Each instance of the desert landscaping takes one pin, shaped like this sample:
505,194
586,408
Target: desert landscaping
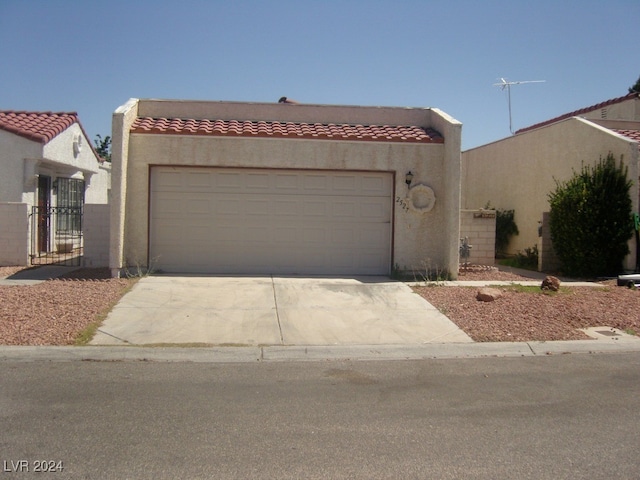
57,311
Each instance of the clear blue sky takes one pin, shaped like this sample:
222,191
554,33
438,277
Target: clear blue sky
92,56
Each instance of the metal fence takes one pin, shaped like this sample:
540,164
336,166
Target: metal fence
56,236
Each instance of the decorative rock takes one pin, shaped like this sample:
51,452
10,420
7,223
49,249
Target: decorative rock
550,283
488,294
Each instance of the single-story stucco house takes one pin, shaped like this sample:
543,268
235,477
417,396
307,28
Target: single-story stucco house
283,188
518,173
49,175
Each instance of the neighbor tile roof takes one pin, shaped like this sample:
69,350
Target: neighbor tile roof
271,129
576,113
38,126
631,134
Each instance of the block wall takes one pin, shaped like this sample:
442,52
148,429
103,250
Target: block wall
480,227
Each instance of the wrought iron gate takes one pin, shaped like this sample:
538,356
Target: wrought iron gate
56,236
56,232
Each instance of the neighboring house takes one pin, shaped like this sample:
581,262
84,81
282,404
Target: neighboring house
283,188
48,172
520,171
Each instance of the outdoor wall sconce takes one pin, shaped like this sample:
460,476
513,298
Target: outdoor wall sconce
77,145
408,178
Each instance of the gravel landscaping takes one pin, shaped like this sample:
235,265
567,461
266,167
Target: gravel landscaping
529,314
55,312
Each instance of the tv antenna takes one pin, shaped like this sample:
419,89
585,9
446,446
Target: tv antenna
506,85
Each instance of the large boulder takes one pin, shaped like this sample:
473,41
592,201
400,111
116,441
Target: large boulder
550,283
488,294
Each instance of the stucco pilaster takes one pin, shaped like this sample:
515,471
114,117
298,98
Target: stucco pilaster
121,123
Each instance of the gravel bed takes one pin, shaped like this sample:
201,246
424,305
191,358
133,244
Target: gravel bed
56,311
521,315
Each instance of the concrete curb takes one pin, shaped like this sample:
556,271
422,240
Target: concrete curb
252,354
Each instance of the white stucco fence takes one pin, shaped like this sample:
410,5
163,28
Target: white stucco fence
14,234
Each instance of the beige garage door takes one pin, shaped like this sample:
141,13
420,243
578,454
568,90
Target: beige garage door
215,220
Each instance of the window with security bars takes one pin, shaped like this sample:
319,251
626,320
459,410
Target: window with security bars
70,200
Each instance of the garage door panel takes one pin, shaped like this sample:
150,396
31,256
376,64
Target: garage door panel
374,210
169,205
227,181
270,221
258,181
344,184
315,183
315,208
198,181
287,182
313,233
374,185
170,180
199,208
226,205
343,236
257,207
343,209
286,207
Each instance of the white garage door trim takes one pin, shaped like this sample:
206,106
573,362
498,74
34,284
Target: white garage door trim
270,221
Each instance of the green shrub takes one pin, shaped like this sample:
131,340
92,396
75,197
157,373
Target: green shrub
590,219
505,228
527,259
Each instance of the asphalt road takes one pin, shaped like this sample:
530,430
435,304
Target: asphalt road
570,416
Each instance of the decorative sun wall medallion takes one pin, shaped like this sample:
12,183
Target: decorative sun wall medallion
421,198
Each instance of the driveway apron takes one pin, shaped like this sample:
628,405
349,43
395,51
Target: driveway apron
238,310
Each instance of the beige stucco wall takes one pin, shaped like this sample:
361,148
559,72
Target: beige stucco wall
624,111
418,237
95,226
519,172
122,120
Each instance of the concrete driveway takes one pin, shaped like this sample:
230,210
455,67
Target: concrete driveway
234,310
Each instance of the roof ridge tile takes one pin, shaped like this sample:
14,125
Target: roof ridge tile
287,129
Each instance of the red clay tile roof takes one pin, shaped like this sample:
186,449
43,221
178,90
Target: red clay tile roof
38,126
631,134
576,113
262,129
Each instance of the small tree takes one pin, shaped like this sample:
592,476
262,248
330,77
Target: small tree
103,146
636,87
590,219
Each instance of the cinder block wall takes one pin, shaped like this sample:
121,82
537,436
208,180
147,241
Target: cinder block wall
96,235
480,227
14,234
